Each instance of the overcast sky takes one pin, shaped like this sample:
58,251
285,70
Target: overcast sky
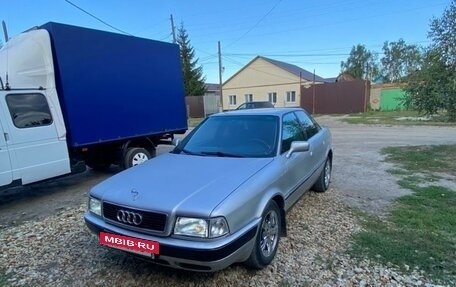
311,34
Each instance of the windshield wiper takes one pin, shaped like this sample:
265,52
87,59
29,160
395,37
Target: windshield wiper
190,152
221,154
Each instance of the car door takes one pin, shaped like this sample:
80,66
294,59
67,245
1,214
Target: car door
6,175
34,145
315,137
298,165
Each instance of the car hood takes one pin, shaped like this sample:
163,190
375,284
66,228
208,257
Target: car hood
178,183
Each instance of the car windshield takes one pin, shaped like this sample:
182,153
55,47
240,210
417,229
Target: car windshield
233,136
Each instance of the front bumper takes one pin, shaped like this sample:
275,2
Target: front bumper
205,256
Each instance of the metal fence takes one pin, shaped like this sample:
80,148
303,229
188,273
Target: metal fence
336,98
202,106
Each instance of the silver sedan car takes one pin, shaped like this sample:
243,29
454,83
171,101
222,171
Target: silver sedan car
220,196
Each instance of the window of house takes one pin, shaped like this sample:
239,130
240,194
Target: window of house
248,98
232,99
309,125
291,131
291,96
272,97
29,110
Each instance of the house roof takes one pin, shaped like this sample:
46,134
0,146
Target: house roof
295,70
212,87
331,80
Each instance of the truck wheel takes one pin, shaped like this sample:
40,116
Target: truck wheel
267,239
135,156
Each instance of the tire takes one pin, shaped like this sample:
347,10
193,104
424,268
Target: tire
135,156
267,238
324,179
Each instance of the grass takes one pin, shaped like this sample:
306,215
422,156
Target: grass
421,229
428,159
394,118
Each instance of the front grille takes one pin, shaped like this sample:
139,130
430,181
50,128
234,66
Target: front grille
152,221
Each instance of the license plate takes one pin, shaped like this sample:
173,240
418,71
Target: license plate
130,244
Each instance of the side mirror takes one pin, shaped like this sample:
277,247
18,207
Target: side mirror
176,142
298,146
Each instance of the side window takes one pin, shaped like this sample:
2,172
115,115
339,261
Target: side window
29,110
310,127
291,131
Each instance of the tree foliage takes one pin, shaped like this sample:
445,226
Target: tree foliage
399,60
361,63
192,72
433,87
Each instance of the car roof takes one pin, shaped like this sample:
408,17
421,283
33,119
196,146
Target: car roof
264,111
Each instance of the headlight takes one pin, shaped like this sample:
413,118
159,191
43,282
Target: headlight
191,227
219,227
198,227
95,205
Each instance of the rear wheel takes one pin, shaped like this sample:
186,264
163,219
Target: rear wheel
323,181
267,239
135,156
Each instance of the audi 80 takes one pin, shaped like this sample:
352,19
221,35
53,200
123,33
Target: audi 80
220,196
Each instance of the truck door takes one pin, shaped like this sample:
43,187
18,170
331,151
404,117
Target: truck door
35,148
6,176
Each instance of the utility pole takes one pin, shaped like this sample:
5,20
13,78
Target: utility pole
366,87
220,76
173,29
313,93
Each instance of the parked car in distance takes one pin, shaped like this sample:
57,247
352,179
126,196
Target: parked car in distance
255,105
220,196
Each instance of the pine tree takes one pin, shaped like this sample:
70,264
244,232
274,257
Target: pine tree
192,72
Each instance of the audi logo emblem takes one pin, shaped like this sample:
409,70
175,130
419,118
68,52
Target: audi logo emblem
129,217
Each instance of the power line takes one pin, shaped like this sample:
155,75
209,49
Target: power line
95,17
256,24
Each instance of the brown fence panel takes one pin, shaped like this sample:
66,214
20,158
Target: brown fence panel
336,98
195,106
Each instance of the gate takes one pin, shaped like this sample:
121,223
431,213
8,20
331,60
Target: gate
336,98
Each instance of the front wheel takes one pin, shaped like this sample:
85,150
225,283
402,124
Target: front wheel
135,156
267,239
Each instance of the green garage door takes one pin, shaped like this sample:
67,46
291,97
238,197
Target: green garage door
390,99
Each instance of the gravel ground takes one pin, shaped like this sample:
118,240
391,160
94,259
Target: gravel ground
60,251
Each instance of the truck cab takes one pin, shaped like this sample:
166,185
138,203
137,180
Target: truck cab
32,134
30,148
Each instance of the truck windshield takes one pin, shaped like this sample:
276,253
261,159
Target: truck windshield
233,136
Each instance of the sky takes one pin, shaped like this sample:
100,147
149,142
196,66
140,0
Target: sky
314,35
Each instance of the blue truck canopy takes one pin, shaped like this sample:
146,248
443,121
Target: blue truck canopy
114,87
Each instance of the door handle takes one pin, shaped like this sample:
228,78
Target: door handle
6,136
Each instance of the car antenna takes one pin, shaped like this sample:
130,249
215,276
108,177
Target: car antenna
5,34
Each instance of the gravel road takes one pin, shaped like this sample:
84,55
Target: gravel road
44,242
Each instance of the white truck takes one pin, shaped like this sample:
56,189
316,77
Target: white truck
71,96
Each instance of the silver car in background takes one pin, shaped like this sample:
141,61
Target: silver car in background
220,196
